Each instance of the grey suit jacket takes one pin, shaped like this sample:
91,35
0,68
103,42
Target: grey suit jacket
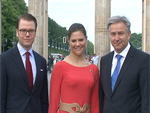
130,94
16,96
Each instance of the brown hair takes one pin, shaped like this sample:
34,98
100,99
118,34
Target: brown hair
27,17
76,27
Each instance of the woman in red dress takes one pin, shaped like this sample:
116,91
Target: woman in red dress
75,81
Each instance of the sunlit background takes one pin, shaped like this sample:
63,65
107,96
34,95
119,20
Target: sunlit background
66,12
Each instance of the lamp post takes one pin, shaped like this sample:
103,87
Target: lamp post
58,43
14,42
53,42
4,44
48,39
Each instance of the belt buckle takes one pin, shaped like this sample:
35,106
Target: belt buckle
80,110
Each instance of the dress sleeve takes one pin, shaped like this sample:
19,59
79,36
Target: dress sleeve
55,88
95,93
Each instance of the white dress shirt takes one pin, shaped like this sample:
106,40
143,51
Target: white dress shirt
123,54
22,52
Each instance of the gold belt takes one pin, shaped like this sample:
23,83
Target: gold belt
68,108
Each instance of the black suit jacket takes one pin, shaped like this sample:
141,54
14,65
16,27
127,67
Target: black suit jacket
130,94
16,96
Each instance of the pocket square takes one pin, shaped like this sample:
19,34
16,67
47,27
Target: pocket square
41,69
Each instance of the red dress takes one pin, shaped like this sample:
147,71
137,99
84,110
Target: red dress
71,84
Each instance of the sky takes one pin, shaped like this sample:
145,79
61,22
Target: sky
67,12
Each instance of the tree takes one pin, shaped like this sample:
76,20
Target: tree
90,48
55,35
56,32
11,10
136,40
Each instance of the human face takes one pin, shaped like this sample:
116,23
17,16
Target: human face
26,40
119,36
77,43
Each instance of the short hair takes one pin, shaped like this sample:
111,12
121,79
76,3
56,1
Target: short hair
76,27
28,17
117,19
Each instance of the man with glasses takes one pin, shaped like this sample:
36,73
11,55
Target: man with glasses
24,86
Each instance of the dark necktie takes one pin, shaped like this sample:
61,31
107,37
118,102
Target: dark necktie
116,72
29,70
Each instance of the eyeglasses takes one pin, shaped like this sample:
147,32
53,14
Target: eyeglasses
24,31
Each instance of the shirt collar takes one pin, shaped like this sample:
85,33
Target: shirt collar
22,50
124,52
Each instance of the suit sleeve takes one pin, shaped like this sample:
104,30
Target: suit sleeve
3,82
55,88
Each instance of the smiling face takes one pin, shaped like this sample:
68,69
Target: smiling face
119,36
26,40
77,43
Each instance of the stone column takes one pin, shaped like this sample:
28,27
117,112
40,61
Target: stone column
0,26
146,26
39,9
143,24
102,14
45,29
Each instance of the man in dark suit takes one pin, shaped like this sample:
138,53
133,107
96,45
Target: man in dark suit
124,89
17,94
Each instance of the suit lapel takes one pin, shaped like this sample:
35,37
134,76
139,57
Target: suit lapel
125,66
109,72
38,65
18,61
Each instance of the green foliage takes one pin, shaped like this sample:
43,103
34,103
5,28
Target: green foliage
90,48
56,34
136,40
55,38
11,10
56,30
60,51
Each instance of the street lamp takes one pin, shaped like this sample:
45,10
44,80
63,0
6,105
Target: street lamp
4,44
59,43
53,44
14,42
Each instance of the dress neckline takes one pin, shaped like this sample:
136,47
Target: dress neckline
77,66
